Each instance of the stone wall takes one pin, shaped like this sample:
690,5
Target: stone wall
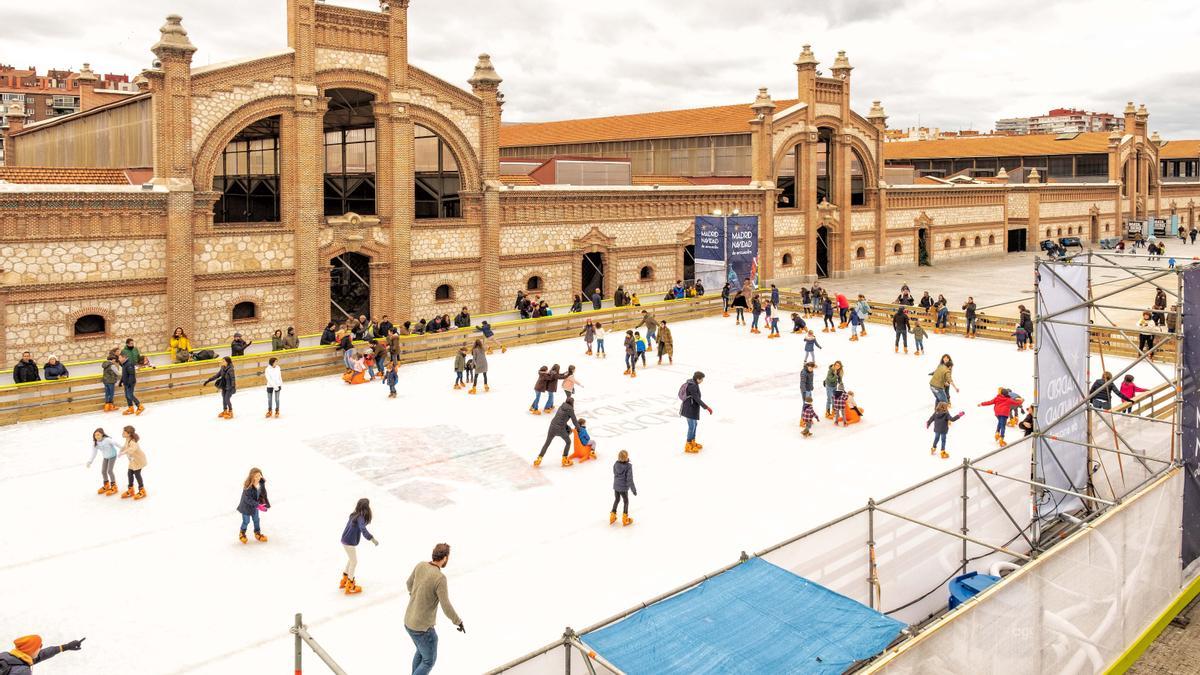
46,328
966,243
558,282
339,59
867,260
209,111
214,314
628,267
48,262
244,253
789,224
983,213
464,287
445,243
526,239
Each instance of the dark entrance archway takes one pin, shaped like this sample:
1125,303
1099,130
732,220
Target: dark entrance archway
923,247
689,262
349,286
822,252
592,273
1016,240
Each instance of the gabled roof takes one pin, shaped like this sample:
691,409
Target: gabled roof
1189,149
51,175
714,121
998,146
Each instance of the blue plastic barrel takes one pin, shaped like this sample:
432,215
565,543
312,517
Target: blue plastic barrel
967,586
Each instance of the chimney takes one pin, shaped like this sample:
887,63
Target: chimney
87,86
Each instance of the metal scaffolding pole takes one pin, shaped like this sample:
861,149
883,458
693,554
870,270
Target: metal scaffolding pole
301,633
1049,487
973,540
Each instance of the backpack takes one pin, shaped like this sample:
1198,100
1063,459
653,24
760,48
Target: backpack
683,390
201,355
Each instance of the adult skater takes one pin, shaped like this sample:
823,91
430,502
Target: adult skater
833,382
107,448
128,383
941,306
755,312
427,588
553,378
689,409
666,346
739,305
137,462
1103,389
863,309
560,427
630,355
969,311
600,333
622,486
941,420
254,499
1026,322
28,650
900,325
651,325
274,375
225,380
479,356
589,336
489,338
356,528
941,379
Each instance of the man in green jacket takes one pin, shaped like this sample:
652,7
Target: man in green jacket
427,589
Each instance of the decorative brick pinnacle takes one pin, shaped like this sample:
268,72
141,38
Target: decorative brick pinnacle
174,38
485,75
763,103
86,74
807,58
841,63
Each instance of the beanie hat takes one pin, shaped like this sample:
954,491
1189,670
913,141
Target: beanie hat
27,648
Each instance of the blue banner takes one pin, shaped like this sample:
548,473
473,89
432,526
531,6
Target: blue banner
1189,323
710,238
741,242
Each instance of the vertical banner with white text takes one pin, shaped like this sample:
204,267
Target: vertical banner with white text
1189,420
710,251
741,238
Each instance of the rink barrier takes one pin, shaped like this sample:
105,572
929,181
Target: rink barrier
84,393
303,638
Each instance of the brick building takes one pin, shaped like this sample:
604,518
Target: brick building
334,177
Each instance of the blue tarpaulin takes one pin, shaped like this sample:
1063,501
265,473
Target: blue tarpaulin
755,618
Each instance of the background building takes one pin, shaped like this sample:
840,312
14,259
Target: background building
1061,121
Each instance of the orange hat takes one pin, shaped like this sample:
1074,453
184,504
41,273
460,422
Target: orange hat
27,648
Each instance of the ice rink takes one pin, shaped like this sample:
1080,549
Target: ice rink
163,585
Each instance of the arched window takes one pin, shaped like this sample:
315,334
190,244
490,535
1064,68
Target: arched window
858,193
1106,226
786,261
646,273
247,175
826,165
962,242
90,325
860,253
443,292
1047,233
946,244
978,241
349,127
1059,232
245,311
897,249
534,283
991,239
436,175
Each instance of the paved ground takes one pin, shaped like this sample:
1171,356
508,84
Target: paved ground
1175,652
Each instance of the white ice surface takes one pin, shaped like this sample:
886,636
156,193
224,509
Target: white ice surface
162,585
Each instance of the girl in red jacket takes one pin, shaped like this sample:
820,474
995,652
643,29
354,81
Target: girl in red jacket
1002,406
1128,388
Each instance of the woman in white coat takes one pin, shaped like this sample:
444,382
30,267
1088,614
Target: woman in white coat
274,375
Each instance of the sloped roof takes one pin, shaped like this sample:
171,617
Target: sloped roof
713,121
518,179
660,180
1189,149
998,146
51,175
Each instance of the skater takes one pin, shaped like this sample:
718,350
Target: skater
839,405
772,322
689,394
137,462
941,379
630,355
28,650
479,356
919,335
237,347
833,382
640,346
428,588
854,413
1103,390
1021,337
1002,406
600,333
570,382
843,305
739,308
863,309
798,324
368,362
181,346
1026,321
460,364
808,376
969,310
587,444
552,380
941,419
391,377
107,448
1026,424
1146,337
1129,389
225,380
725,299
622,486
560,427
900,325
128,382
539,388
356,528
755,312
254,499
589,336
810,345
651,325
274,375
489,338
357,370
110,374
943,314
827,305
808,416
666,346
774,295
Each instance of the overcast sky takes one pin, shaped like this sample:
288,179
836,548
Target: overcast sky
944,64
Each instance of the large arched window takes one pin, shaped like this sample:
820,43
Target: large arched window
443,293
245,311
858,192
349,153
826,167
787,180
90,325
436,175
247,175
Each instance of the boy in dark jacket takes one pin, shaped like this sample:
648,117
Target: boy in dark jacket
798,324
622,486
808,379
238,346
539,388
690,410
941,419
28,650
128,382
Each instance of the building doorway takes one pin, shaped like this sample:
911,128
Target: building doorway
1016,240
822,252
592,272
923,247
349,286
689,262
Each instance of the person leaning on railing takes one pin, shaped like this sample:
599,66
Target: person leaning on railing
181,346
55,369
26,370
290,339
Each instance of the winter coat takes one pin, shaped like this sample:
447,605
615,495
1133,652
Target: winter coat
463,320
570,382
739,300
110,373
808,414
26,371
623,477
274,377
543,381
919,333
756,306
391,377
940,377
133,354
807,379
862,309
1101,396
180,344
137,458
665,344
552,380
842,302
356,528
900,321
106,448
479,354
584,437
486,329
941,421
629,344
238,347
811,344
460,362
1027,322
833,378
1026,424
55,371
1002,405
128,374
588,333
252,497
276,343
1129,389
328,337
926,302
291,341
225,378
648,321
692,403
564,414
18,667
969,309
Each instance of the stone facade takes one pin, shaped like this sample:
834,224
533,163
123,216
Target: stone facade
89,260
244,253
46,327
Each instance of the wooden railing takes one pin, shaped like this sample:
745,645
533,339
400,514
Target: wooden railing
46,399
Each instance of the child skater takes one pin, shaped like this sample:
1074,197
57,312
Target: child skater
107,449
773,322
941,419
570,382
589,334
829,325
640,343
808,379
810,345
798,324
460,364
622,486
630,354
392,376
137,462
808,415
600,333
1021,336
356,528
840,398
469,373
254,499
585,439
1002,405
919,335
855,323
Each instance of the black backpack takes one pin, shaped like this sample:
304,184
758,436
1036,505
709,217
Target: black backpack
199,355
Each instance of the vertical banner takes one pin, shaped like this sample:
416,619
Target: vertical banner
1062,359
742,247
710,252
1190,415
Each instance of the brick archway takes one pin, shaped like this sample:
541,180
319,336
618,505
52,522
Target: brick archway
223,133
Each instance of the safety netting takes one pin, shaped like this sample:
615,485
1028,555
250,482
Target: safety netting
753,618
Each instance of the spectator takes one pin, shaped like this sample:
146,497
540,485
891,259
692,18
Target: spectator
463,320
277,340
181,346
238,346
26,370
132,353
699,288
598,299
329,335
291,340
385,327
54,369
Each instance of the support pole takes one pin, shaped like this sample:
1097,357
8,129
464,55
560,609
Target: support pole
872,577
1044,486
965,530
299,648
973,540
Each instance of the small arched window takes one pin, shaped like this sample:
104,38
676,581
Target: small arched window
1059,232
533,284
946,244
787,260
861,253
245,311
90,325
991,239
962,242
646,273
898,249
978,241
1048,233
443,292
1106,226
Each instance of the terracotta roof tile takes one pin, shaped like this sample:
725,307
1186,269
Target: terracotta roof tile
717,120
661,180
518,179
997,146
1180,150
46,175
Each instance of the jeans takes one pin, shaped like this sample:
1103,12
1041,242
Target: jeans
939,437
426,643
902,336
247,518
724,303
942,317
740,314
939,394
549,400
226,399
853,328
458,377
130,399
830,391
1020,343
970,325
754,319
810,355
631,362
691,432
842,314
537,400
920,344
273,394
106,469
371,372
110,391
774,326
600,346
829,321
1001,423
651,336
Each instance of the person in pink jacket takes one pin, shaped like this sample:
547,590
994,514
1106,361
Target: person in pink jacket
1128,388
